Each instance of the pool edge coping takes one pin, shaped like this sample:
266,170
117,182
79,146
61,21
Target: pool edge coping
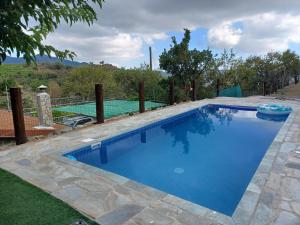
253,190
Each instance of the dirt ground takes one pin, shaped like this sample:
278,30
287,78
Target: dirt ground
290,91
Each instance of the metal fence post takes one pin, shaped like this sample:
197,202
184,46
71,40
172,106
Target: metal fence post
193,90
18,115
171,91
141,97
99,103
218,87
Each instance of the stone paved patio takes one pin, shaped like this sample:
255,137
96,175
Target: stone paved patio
272,197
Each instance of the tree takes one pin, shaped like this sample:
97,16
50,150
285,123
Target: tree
225,68
266,69
291,65
184,64
81,82
54,89
18,34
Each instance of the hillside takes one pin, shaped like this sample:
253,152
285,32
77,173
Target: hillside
65,81
292,90
31,76
44,59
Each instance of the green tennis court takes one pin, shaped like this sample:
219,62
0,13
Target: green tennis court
111,108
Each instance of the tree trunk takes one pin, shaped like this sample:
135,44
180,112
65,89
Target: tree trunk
296,79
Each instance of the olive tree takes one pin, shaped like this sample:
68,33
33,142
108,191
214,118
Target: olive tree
185,64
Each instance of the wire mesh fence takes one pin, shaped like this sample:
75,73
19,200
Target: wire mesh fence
112,107
72,112
63,109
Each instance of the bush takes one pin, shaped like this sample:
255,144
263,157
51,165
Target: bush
118,83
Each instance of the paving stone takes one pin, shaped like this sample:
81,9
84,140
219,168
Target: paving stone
259,181
166,209
117,178
267,197
24,162
44,181
68,181
71,193
296,207
245,209
293,165
292,172
92,186
148,191
187,218
262,215
130,223
274,180
119,215
290,188
285,205
99,203
288,147
9,166
135,197
149,216
186,205
286,218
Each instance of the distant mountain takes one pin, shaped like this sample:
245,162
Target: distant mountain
44,59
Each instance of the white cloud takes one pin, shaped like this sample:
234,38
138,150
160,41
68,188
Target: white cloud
123,29
112,48
150,38
260,33
270,31
224,36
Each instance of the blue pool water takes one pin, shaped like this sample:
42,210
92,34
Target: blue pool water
207,156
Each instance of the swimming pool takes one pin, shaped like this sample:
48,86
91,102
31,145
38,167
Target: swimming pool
207,155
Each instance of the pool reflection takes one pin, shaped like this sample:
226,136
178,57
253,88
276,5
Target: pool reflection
203,125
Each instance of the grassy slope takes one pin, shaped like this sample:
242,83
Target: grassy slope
25,74
24,204
15,69
291,91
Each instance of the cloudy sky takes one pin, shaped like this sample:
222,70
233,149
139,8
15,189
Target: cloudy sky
125,29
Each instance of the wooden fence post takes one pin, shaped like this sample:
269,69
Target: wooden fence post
296,79
171,92
99,103
193,90
264,88
141,97
18,115
218,87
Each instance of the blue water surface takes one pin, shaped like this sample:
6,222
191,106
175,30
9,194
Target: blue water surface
207,156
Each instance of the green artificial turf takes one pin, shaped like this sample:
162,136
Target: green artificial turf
111,108
24,204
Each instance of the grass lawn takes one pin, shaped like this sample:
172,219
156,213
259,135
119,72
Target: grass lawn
23,204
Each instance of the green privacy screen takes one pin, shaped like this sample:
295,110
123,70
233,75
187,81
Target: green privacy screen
231,92
111,107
